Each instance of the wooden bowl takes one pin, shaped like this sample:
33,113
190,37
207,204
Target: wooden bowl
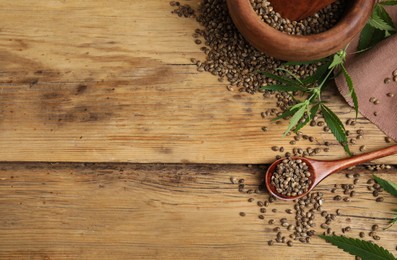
296,47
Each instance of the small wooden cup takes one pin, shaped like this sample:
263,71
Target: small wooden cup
294,47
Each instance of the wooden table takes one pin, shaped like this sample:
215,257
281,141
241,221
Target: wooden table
92,89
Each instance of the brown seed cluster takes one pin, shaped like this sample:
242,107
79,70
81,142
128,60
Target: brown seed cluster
392,78
376,190
307,215
378,167
182,10
291,178
317,23
230,57
301,151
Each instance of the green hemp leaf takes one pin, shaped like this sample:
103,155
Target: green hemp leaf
391,188
364,249
379,27
311,87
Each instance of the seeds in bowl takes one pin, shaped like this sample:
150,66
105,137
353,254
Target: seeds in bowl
291,177
232,59
321,21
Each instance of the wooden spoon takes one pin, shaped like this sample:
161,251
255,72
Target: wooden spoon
298,9
322,169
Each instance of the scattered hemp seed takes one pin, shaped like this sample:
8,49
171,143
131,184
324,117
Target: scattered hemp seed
275,148
348,229
337,198
375,227
242,214
182,10
387,80
362,148
388,139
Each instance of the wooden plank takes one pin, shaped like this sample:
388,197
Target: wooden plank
99,81
121,211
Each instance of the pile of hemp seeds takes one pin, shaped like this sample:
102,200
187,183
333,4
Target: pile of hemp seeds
309,215
291,177
230,58
320,22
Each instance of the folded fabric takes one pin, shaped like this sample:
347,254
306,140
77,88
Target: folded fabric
369,71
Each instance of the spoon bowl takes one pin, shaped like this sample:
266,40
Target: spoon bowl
322,169
272,168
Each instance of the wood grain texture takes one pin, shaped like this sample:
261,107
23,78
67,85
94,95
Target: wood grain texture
104,81
121,211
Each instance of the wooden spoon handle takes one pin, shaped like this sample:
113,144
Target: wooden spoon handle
334,166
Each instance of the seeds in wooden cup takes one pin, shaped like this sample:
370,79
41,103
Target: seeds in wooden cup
317,23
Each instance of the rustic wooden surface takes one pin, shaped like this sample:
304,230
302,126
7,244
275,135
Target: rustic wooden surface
121,211
112,82
101,81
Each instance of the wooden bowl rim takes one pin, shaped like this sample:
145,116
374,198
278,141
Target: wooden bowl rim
253,28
